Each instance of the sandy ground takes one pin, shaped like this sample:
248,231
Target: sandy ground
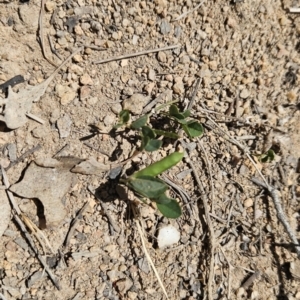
245,56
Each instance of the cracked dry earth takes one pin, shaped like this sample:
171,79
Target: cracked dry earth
245,55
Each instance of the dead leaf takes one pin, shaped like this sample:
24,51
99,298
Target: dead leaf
17,105
90,167
49,185
62,162
5,212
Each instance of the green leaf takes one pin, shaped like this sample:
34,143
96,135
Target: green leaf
145,141
153,145
163,199
267,156
148,186
140,122
170,210
173,110
147,131
169,134
180,121
186,113
193,129
124,116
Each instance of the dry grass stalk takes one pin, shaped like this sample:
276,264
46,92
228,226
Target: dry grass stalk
280,213
210,229
139,227
188,12
136,54
41,33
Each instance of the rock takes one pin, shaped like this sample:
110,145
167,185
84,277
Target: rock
84,92
231,22
167,236
162,57
4,212
64,126
116,108
245,93
67,98
65,93
165,27
248,203
135,103
109,120
12,151
178,88
149,87
114,275
151,74
49,185
41,131
124,285
28,14
85,79
77,58
50,6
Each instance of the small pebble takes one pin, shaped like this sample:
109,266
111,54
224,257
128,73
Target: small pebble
161,56
64,126
135,103
245,93
165,27
77,58
84,92
85,79
50,6
151,74
248,203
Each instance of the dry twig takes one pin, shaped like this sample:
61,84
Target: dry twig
280,213
74,223
210,229
136,54
188,12
23,156
41,33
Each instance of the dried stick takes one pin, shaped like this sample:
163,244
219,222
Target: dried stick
17,215
53,50
35,118
23,156
210,175
74,223
280,213
41,33
210,229
136,54
191,103
250,280
188,12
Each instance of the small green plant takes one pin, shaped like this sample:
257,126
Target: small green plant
144,182
266,157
